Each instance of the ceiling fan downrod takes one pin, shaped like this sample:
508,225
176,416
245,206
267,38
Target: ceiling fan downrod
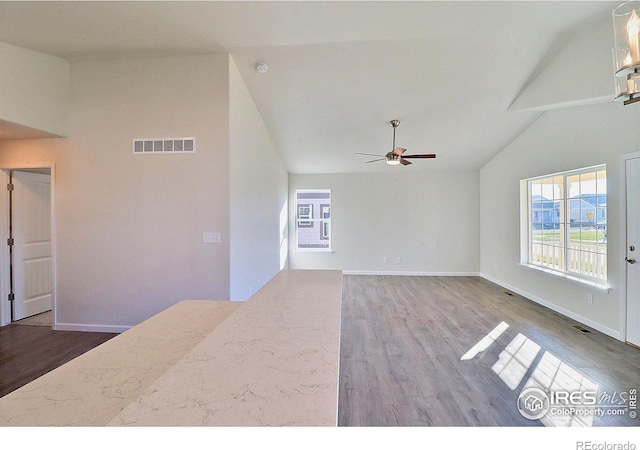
394,123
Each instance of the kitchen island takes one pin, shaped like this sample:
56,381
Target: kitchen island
270,361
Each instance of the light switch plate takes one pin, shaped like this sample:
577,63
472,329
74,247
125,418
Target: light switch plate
211,238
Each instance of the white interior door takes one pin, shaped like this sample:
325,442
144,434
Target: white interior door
632,256
32,249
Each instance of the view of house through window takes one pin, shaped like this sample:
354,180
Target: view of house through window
567,225
313,219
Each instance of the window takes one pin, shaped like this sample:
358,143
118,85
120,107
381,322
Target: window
313,220
325,211
305,214
566,225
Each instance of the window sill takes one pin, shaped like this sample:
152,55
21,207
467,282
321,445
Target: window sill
602,286
313,250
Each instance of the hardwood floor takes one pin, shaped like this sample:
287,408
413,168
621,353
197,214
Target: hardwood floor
28,352
409,355
404,338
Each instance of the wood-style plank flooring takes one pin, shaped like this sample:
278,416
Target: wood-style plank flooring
403,339
401,347
28,352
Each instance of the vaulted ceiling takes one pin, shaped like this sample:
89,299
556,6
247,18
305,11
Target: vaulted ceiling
450,71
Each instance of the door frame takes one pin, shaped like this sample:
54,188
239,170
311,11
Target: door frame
623,241
5,275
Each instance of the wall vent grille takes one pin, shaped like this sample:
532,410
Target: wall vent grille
164,146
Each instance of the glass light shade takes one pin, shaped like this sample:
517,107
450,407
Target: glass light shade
626,85
626,52
633,84
393,161
626,32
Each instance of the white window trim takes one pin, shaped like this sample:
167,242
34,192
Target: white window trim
526,240
601,285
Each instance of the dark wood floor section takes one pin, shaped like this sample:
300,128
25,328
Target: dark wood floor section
28,352
403,339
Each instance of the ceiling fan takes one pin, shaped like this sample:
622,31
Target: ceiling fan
396,156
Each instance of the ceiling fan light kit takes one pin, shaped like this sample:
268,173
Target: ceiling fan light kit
396,156
393,160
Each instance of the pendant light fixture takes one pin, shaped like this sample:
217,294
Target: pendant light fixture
626,53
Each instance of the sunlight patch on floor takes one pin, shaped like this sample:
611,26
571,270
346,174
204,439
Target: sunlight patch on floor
515,360
485,342
553,375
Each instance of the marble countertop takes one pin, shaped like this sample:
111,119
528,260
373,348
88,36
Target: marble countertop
93,388
272,360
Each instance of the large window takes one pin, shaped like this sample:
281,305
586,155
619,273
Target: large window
313,219
566,229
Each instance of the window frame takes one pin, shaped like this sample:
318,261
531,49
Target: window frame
563,220
305,220
325,220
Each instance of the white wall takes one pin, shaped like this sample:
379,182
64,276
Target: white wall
559,140
427,219
129,227
258,195
35,89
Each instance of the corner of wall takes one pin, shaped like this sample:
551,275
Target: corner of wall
258,194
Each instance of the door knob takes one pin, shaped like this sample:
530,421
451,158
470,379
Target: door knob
630,260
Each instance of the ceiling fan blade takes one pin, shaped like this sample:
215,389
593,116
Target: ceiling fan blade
398,151
374,160
430,155
404,162
368,154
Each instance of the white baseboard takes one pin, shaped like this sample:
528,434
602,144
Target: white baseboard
565,312
552,306
410,274
90,327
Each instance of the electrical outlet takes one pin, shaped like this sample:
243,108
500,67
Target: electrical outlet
590,299
385,259
398,260
211,238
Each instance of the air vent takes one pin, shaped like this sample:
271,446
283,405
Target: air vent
164,146
581,329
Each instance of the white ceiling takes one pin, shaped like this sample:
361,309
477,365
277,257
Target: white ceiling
339,71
